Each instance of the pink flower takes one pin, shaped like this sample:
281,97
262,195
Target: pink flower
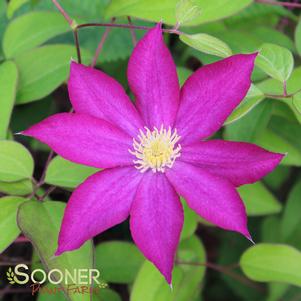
155,150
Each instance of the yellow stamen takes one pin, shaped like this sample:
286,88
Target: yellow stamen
156,149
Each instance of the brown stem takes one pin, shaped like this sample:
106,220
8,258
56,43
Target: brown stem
284,88
101,44
129,26
133,33
42,179
66,16
73,27
41,182
76,40
227,271
285,95
280,3
47,192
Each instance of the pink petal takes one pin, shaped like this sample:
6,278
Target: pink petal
93,92
210,95
153,79
101,202
84,139
156,221
213,198
239,162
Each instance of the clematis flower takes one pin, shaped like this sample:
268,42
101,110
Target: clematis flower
155,150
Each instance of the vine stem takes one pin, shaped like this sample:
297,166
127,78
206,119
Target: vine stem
47,192
285,88
101,43
133,33
76,39
73,26
63,12
225,270
284,95
37,185
280,3
128,26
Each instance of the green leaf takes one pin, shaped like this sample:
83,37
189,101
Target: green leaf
190,221
106,294
183,74
298,37
22,187
252,99
288,131
259,200
151,286
186,11
291,220
13,6
43,234
207,44
296,103
8,224
16,163
44,69
260,14
274,87
275,179
158,10
270,35
228,253
251,125
31,30
272,263
276,291
275,143
118,261
3,23
8,86
276,61
64,173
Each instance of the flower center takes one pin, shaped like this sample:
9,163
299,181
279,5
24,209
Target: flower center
156,149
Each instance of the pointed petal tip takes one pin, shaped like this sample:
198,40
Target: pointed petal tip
171,287
278,157
73,64
19,133
28,132
249,237
251,57
156,31
251,240
58,252
283,155
72,60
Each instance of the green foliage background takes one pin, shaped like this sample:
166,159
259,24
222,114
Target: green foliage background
35,51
